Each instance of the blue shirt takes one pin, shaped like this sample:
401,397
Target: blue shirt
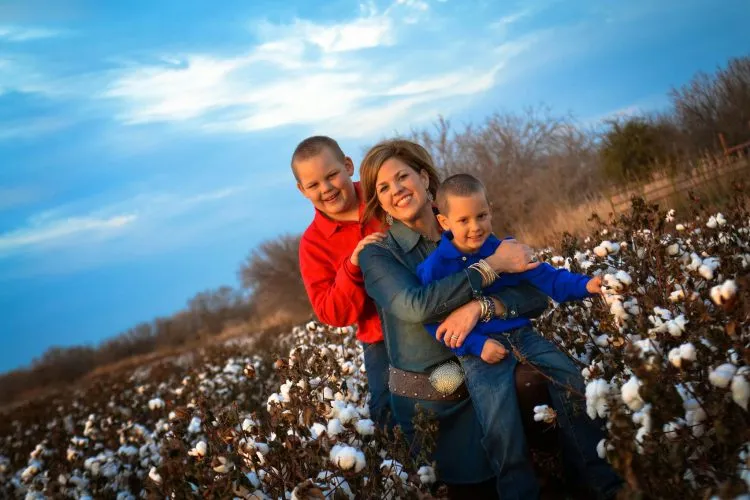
560,284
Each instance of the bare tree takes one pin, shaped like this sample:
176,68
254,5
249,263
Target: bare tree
272,274
712,104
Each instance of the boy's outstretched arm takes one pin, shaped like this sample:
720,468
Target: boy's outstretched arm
560,284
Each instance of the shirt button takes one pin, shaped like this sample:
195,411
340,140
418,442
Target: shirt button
512,313
463,259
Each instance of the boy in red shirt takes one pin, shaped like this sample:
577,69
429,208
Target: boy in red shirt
329,256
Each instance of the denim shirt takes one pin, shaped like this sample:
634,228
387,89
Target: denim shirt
560,284
405,304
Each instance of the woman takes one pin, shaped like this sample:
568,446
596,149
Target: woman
405,305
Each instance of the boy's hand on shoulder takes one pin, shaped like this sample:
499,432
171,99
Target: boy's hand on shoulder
594,285
493,352
370,238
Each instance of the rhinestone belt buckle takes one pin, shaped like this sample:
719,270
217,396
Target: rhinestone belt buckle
447,377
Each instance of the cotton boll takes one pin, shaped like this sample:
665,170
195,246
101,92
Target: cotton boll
348,457
199,450
630,395
694,419
728,289
348,414
687,352
676,326
195,425
680,227
426,474
544,413
155,404
695,262
317,429
720,219
334,427
365,427
671,429
602,340
673,249
623,278
601,448
600,251
597,392
706,272
327,393
722,375
712,222
224,466
247,425
674,357
741,387
153,474
715,294
677,295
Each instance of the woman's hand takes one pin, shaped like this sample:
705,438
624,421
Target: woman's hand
458,324
512,257
371,238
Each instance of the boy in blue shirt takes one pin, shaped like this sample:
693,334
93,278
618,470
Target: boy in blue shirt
466,218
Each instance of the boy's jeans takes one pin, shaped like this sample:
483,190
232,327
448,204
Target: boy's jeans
376,365
493,392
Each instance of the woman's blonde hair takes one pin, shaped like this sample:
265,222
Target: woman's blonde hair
408,152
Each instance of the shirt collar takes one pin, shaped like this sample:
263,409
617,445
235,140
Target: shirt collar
329,226
449,251
406,238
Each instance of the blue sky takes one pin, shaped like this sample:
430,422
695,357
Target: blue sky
144,145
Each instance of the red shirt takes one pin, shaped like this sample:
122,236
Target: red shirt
334,285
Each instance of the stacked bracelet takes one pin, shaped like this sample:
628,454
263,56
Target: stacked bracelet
487,311
485,271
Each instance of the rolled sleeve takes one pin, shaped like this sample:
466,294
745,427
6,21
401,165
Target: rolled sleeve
521,301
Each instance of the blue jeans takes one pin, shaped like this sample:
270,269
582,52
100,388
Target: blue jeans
493,391
376,365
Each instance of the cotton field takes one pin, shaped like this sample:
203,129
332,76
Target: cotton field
664,353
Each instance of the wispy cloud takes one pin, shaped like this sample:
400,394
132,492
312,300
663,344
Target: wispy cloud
349,76
56,230
26,34
512,18
30,128
63,226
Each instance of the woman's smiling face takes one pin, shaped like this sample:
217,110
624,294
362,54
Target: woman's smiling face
401,190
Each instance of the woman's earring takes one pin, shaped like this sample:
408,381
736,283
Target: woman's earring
389,219
429,196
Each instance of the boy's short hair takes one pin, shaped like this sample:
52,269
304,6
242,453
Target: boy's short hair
457,185
312,146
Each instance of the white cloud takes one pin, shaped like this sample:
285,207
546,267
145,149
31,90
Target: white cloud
349,76
511,19
30,128
25,34
362,33
71,227
53,231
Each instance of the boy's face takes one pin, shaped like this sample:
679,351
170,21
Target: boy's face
327,183
469,219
